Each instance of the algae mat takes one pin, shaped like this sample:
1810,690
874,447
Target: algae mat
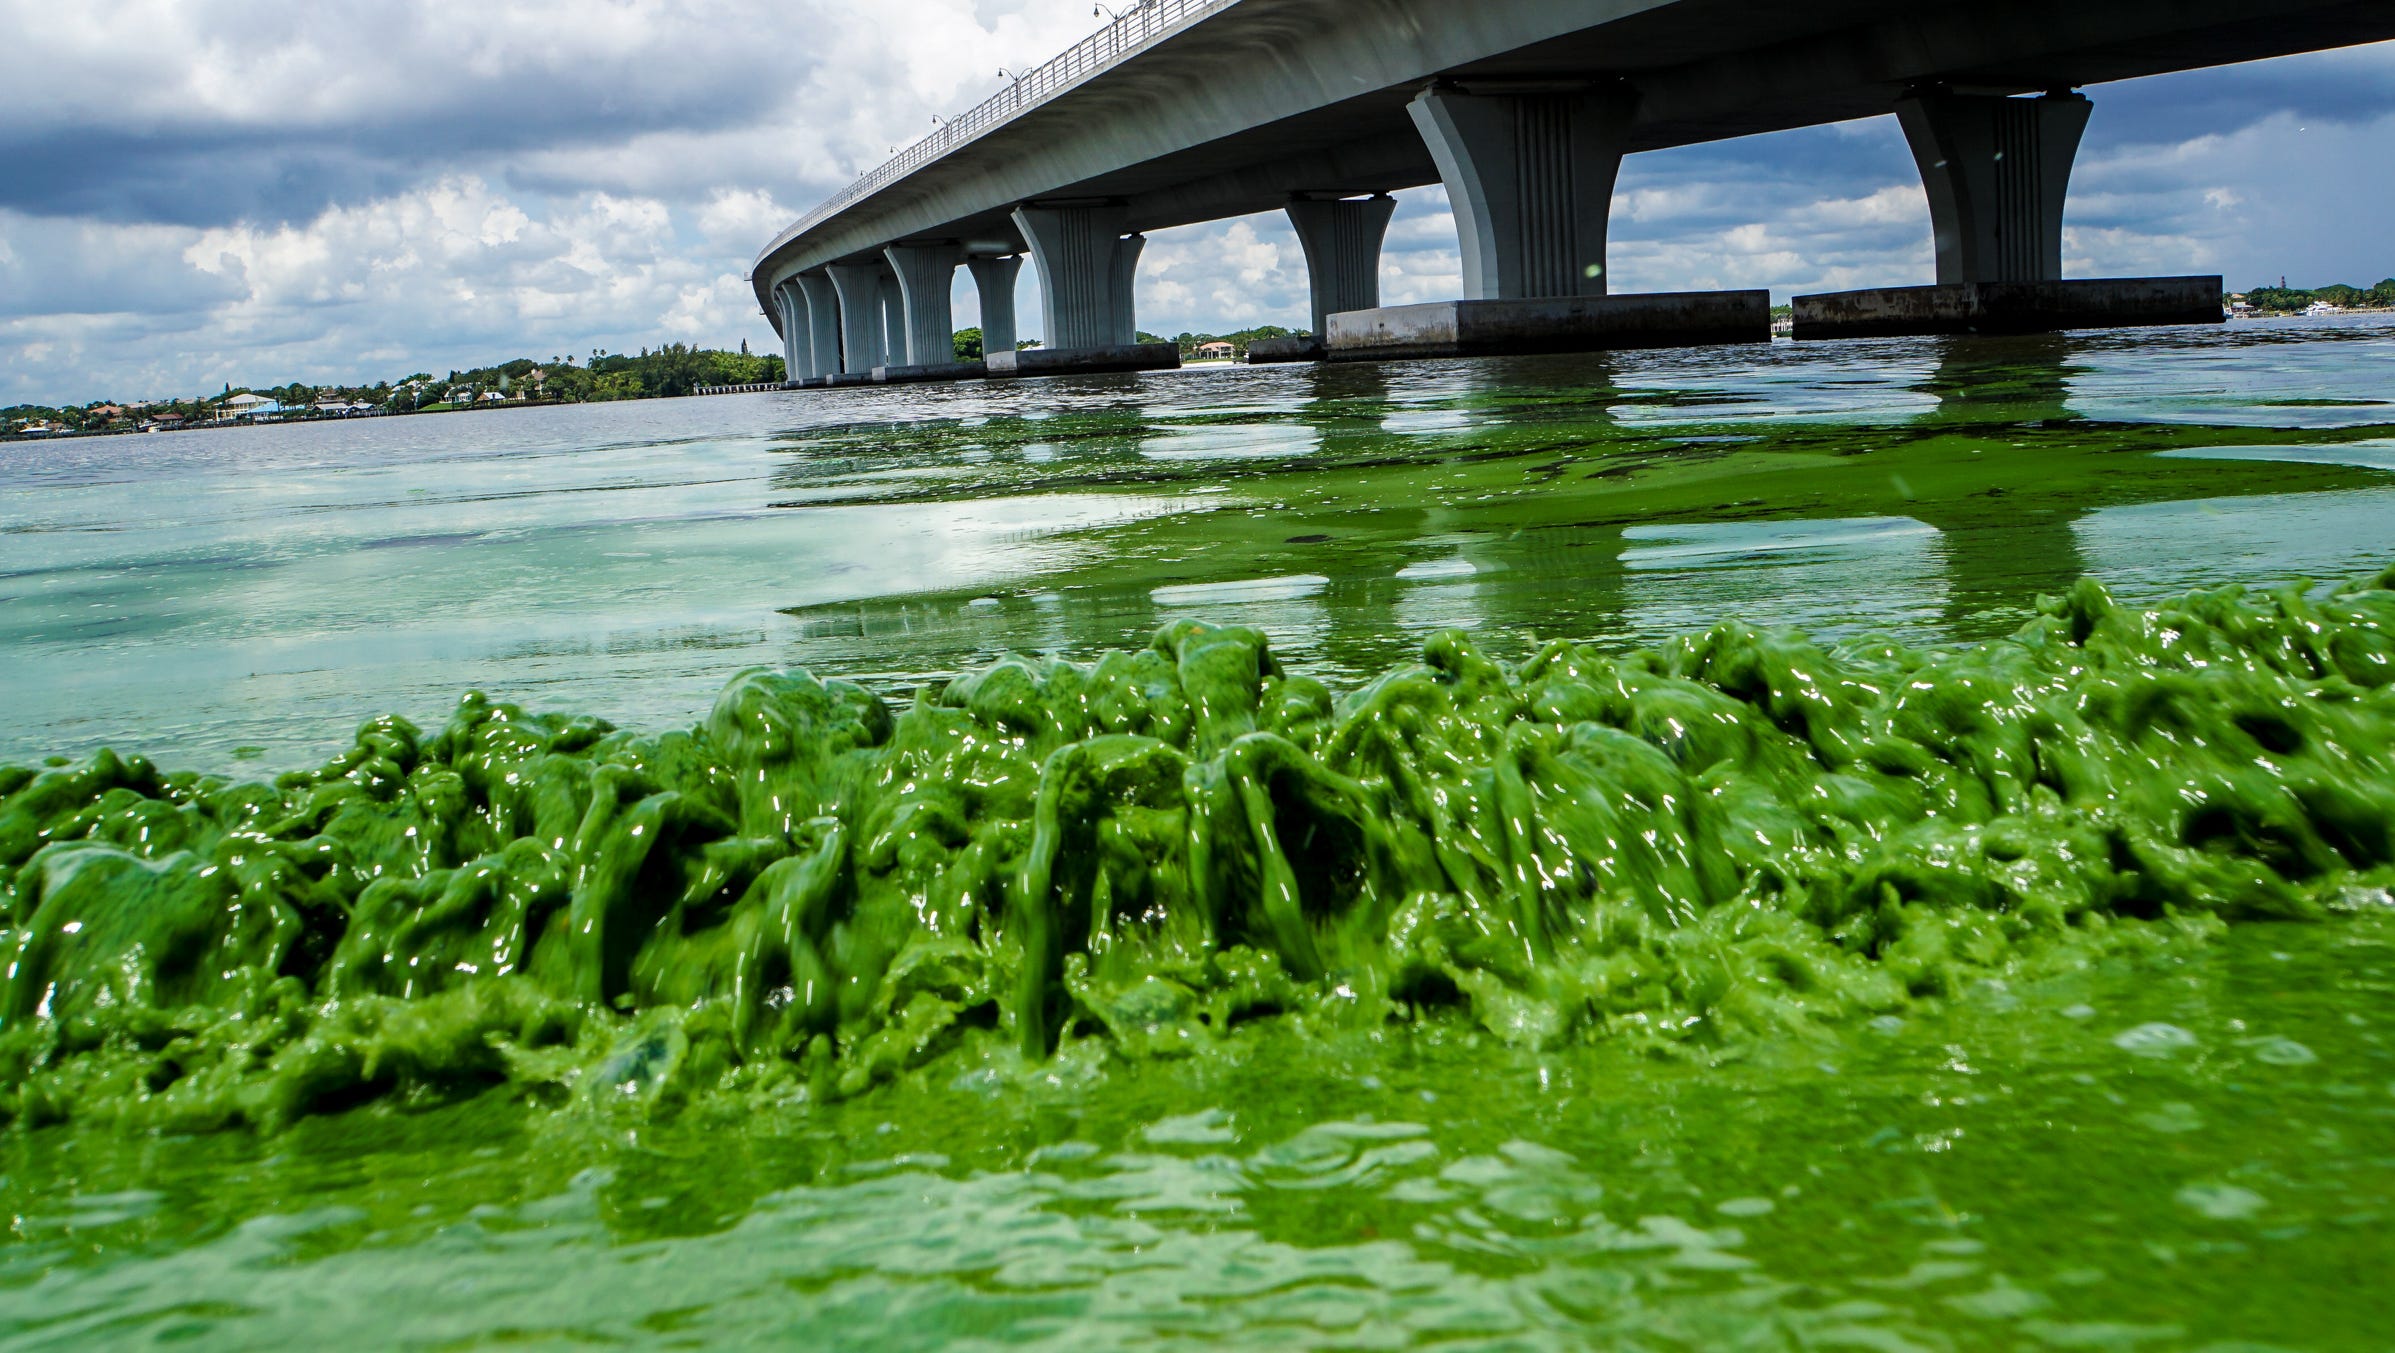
1184,879
1355,985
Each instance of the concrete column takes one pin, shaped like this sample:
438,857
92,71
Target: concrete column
1085,285
1997,170
994,278
823,323
1126,279
1342,240
893,317
1530,176
859,285
926,284
797,344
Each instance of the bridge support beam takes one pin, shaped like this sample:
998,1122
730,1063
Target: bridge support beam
893,316
797,344
1997,171
1530,170
859,288
1087,269
1342,238
822,311
926,284
1077,250
1124,319
923,346
1530,176
995,278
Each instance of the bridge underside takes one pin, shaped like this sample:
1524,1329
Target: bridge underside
1703,70
1275,101
1691,92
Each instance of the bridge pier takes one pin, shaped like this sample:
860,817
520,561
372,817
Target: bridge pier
1530,177
926,276
797,347
1342,238
1087,267
893,314
822,311
1998,171
1529,170
995,278
861,343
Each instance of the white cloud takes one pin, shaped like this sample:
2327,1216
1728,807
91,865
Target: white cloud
250,190
450,274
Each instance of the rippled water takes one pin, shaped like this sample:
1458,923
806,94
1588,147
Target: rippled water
254,594
2191,1152
2200,1156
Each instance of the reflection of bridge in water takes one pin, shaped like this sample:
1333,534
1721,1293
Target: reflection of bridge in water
1927,563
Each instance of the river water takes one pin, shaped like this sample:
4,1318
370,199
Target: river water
2188,1151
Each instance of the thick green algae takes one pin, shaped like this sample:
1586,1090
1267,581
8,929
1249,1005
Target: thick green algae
1734,835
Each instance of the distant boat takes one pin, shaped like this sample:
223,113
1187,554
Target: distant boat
2323,308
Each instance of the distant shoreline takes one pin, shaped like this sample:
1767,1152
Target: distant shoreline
226,424
482,406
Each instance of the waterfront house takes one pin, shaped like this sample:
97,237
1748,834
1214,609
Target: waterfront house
1216,351
246,406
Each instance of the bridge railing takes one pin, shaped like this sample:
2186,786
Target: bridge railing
1141,28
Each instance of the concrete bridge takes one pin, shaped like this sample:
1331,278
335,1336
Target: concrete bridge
1194,110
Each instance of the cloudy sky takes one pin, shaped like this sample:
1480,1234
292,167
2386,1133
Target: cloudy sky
195,192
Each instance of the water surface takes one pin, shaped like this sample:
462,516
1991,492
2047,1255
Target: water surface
2193,1148
256,593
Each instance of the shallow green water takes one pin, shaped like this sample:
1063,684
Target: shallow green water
2197,1154
2041,1096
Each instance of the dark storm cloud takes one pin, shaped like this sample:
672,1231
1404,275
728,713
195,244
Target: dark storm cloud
195,178
203,175
319,105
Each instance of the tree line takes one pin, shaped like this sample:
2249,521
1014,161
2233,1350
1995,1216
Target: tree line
655,373
2380,297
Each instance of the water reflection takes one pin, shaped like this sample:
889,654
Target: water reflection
1964,554
1997,557
2024,380
195,593
1231,441
1996,567
1832,578
2154,549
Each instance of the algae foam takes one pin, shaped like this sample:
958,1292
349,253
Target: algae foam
1736,835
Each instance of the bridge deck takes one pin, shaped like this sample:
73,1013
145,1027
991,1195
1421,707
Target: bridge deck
1196,110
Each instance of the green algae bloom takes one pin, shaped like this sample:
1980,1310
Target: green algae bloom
1736,836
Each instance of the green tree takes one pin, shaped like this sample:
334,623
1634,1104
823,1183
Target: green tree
968,345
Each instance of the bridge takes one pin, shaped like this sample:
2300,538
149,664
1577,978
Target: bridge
1184,111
